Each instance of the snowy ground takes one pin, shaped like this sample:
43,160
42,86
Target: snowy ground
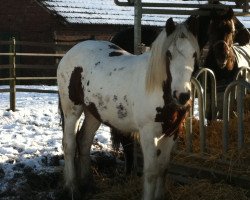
31,137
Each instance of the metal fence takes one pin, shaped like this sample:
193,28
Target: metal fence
234,91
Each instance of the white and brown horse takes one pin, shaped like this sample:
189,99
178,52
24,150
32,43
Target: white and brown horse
148,93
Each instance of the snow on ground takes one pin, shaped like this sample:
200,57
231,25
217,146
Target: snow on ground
32,135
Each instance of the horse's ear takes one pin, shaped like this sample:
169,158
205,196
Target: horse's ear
192,25
230,14
170,26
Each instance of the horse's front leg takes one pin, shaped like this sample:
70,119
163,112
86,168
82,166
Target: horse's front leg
147,137
164,146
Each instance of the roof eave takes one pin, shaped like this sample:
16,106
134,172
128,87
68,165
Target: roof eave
60,18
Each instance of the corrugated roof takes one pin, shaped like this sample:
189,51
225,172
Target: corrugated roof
107,12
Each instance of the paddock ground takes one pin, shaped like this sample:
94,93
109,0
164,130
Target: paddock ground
112,185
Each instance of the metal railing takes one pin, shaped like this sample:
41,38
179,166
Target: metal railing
203,74
199,87
189,8
241,85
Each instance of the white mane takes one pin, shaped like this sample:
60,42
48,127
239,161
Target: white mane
156,73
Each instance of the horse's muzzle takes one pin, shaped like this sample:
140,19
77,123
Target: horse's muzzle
183,97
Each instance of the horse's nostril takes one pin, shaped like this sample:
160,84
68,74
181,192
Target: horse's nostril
175,94
184,97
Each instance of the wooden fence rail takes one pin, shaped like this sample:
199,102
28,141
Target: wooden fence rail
58,49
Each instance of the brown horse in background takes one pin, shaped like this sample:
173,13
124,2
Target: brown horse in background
225,57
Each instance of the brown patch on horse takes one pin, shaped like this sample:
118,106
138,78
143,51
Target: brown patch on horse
93,110
115,53
76,93
170,115
75,86
121,111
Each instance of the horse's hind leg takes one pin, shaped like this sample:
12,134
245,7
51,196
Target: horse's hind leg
84,141
72,115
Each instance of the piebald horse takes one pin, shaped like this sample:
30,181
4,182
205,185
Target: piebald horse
125,39
147,93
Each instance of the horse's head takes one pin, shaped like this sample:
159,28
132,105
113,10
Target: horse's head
221,35
181,57
173,55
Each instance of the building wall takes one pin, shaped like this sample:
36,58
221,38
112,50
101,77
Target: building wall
76,33
26,19
29,21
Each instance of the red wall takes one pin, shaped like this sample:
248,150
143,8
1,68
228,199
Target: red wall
28,19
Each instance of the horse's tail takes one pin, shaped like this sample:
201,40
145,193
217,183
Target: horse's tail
60,110
116,138
127,141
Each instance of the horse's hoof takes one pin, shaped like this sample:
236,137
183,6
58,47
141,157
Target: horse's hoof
87,185
70,194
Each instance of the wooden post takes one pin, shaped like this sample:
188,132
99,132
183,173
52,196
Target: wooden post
13,75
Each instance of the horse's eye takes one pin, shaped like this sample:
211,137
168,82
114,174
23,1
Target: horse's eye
195,55
169,55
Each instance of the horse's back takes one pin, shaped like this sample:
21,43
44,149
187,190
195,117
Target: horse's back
92,50
90,56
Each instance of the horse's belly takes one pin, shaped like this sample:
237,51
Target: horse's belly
113,109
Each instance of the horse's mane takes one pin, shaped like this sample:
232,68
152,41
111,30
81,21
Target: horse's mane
156,73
